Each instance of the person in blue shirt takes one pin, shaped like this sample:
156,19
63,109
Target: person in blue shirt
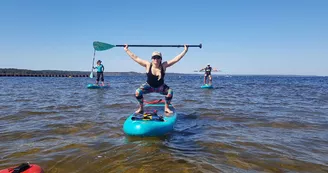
100,72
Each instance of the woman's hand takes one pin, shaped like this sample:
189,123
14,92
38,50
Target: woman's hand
126,47
186,47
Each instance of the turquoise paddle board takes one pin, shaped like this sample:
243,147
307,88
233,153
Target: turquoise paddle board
207,86
94,86
153,122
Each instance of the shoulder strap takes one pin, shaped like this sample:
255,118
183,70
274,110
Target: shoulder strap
151,64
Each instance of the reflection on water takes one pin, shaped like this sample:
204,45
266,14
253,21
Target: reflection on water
246,123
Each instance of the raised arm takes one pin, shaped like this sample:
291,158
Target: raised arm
135,57
201,69
177,58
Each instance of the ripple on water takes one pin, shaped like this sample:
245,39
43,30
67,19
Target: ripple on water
245,124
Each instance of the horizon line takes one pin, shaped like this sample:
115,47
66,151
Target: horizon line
191,73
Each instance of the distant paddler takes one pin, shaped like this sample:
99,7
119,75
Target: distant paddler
208,69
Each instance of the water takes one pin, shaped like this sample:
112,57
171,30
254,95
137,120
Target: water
244,124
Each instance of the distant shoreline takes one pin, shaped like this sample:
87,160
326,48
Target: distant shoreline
65,73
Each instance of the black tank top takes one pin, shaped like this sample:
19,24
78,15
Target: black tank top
208,70
152,80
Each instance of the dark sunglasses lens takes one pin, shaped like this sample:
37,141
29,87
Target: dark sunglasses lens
156,57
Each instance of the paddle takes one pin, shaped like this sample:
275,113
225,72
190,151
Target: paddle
93,61
100,46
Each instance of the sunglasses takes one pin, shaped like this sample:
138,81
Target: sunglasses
156,57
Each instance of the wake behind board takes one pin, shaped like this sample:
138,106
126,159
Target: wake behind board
95,86
153,122
207,86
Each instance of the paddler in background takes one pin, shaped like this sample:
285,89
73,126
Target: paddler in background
208,69
100,72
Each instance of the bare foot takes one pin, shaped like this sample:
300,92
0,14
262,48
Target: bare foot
139,111
167,110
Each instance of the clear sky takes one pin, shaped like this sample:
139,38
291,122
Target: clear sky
238,36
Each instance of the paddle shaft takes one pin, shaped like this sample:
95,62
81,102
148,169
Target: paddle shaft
135,45
93,60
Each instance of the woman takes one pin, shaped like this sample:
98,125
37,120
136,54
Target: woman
100,72
155,71
208,75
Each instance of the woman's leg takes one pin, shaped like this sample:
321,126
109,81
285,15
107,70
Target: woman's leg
102,78
168,92
143,89
98,76
210,79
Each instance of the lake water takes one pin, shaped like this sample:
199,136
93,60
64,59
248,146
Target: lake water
244,124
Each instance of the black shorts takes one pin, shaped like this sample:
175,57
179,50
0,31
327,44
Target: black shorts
100,75
207,74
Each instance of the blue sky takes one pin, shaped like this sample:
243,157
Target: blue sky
238,36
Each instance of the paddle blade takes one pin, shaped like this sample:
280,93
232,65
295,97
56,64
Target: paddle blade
91,75
99,46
